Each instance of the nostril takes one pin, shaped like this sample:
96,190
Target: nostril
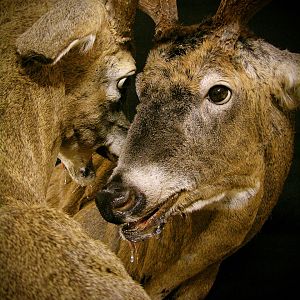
125,202
114,206
85,172
104,203
116,203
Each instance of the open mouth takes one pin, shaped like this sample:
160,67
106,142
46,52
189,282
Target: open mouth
149,225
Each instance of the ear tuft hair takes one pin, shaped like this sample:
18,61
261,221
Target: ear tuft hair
288,73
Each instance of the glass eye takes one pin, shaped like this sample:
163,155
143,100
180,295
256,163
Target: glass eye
121,82
219,94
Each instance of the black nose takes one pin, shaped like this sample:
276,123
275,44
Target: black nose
117,202
85,172
88,170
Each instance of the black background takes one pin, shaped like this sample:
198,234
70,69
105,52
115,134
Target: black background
268,266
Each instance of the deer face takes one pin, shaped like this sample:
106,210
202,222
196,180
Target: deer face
97,120
209,104
88,46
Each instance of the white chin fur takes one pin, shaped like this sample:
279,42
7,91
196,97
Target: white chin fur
154,183
115,143
234,199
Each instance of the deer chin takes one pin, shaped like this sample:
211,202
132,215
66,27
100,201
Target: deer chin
150,224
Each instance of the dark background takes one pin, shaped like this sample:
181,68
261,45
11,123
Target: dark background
268,266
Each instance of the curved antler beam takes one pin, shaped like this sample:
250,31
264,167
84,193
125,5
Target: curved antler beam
124,13
162,12
240,11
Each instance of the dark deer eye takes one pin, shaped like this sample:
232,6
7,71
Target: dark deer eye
219,94
121,82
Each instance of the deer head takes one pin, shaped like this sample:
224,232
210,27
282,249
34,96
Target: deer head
89,44
213,127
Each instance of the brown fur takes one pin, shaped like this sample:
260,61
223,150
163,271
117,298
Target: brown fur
57,100
210,173
45,254
72,197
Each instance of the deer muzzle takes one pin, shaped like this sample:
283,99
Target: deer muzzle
118,204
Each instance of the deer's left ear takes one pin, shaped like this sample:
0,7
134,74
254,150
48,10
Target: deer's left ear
68,24
288,73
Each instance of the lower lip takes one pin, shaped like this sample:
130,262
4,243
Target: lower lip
141,233
140,236
151,226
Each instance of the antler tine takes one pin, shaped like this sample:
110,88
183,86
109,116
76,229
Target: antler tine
124,12
240,11
162,12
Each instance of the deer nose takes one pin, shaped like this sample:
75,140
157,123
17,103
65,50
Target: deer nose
85,171
116,202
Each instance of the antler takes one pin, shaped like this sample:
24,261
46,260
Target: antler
162,12
240,11
124,13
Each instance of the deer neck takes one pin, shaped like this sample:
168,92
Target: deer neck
30,129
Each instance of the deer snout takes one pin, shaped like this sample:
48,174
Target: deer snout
117,203
87,172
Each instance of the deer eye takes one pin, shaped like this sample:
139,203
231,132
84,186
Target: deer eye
219,94
121,82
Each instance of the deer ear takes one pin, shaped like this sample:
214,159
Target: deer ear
288,73
68,24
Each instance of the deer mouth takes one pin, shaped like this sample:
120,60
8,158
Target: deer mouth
150,224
